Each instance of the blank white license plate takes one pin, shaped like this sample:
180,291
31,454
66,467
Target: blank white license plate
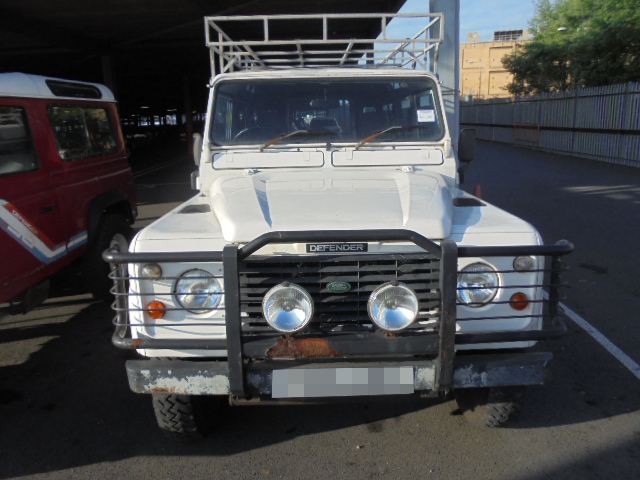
341,382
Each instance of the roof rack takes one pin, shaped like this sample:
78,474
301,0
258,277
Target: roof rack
264,48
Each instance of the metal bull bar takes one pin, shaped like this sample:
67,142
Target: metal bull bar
439,344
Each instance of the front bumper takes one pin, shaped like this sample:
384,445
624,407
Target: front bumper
429,357
212,377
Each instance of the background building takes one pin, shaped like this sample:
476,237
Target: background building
482,73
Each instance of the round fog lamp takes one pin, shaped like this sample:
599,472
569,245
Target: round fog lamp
477,284
393,306
523,264
198,291
287,307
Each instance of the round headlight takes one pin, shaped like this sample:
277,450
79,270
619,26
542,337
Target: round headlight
287,307
198,291
393,306
477,284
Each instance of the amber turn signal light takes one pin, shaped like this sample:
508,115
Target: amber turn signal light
519,301
156,309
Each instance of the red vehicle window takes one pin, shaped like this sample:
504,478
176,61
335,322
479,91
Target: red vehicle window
17,154
102,137
82,132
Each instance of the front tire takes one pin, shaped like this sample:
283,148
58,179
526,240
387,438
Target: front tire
490,407
183,417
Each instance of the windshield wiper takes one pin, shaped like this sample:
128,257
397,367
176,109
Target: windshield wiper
379,133
294,133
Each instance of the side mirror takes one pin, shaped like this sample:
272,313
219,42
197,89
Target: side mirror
197,147
467,145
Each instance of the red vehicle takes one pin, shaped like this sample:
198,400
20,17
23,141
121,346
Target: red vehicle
66,189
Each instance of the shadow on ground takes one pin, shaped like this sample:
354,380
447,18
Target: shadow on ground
69,404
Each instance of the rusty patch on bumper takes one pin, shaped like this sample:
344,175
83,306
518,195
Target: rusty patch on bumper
162,390
289,347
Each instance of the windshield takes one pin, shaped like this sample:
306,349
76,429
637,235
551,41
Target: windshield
329,110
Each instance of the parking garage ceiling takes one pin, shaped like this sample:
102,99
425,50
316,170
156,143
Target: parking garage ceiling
150,48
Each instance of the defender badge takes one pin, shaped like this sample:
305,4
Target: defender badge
339,287
337,247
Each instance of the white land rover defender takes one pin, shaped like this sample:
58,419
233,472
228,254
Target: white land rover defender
330,251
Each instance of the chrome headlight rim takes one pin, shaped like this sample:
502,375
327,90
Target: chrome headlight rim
490,269
377,291
302,291
198,310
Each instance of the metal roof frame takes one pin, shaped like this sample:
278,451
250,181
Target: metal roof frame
322,50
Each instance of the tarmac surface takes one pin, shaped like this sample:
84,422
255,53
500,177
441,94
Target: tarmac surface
66,410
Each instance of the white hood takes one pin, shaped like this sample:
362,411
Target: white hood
331,199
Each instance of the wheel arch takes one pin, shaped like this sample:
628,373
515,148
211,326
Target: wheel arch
115,202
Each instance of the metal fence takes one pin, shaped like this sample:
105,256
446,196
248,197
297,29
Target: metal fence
602,123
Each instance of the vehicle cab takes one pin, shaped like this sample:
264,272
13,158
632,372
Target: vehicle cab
330,251
66,189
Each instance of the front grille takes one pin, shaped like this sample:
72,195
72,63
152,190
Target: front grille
363,272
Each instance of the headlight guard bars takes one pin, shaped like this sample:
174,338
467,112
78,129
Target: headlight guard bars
407,344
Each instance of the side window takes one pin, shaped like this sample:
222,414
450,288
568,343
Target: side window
71,133
222,122
407,111
82,132
232,116
102,139
17,153
426,101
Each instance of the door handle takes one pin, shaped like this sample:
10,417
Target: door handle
48,208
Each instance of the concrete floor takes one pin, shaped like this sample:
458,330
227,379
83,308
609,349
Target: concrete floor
66,410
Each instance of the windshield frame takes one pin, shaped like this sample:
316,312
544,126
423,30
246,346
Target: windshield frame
255,145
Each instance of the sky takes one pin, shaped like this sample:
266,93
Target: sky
484,16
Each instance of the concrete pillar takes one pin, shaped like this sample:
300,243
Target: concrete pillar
107,72
188,115
449,62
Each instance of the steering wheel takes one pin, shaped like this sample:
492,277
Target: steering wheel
299,124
